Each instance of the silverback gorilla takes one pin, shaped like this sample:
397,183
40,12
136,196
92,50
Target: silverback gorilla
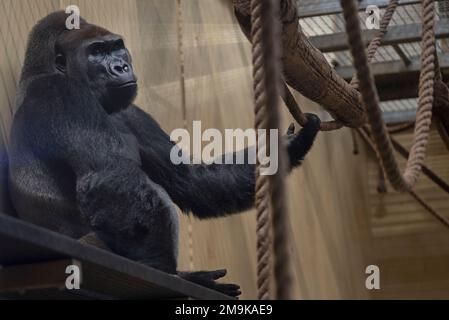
84,160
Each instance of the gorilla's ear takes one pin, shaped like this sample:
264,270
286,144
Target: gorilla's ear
61,62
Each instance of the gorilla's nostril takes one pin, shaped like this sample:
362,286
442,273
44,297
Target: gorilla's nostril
121,68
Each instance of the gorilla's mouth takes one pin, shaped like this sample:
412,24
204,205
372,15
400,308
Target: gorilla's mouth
127,84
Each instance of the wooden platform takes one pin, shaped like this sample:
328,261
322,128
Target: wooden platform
34,261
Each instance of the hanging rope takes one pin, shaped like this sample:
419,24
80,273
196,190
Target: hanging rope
429,173
180,21
265,35
371,100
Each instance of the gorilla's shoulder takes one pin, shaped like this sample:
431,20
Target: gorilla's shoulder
47,86
48,90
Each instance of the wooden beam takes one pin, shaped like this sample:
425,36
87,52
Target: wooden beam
35,276
395,35
389,68
104,274
394,80
321,8
402,54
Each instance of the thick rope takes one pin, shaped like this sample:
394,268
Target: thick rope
262,183
429,173
371,100
267,75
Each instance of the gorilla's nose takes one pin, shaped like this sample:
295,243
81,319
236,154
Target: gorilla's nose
120,68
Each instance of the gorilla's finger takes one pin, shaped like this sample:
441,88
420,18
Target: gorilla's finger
291,129
229,289
217,274
229,286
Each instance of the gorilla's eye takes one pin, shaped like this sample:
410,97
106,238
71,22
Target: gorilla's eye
118,46
98,50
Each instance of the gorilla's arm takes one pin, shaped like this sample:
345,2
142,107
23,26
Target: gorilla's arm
206,190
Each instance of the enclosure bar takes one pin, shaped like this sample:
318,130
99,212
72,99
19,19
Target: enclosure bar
402,55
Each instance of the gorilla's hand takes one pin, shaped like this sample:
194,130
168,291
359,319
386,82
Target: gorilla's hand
299,144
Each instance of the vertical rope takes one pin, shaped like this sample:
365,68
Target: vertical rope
180,30
262,184
267,79
179,23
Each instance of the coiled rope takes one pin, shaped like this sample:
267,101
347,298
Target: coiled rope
270,189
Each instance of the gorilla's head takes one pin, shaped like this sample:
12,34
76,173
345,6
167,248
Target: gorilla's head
90,55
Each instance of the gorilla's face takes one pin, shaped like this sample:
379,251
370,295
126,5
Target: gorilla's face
105,63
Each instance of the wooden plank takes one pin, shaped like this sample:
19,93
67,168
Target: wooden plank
321,8
394,79
34,276
396,35
104,272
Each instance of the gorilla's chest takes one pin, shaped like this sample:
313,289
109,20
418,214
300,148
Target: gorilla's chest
131,149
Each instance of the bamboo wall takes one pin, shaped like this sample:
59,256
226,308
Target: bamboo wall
327,196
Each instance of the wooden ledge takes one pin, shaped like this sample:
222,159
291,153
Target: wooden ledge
26,249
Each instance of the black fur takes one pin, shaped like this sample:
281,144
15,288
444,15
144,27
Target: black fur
85,159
